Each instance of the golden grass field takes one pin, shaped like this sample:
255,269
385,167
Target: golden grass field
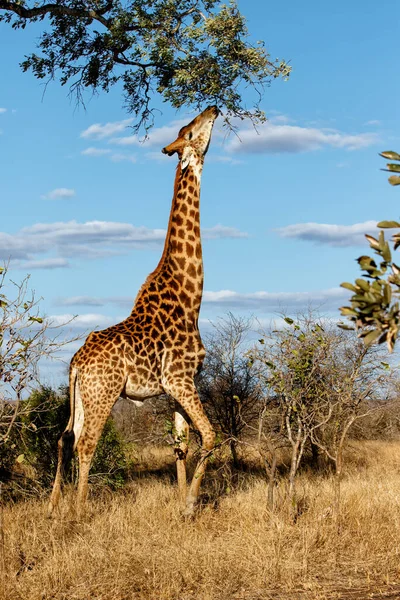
134,545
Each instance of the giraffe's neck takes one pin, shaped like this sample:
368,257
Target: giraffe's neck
182,256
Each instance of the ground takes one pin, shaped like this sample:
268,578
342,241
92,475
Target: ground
134,545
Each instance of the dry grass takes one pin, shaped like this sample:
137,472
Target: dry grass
135,546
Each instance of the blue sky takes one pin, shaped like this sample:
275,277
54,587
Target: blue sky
85,205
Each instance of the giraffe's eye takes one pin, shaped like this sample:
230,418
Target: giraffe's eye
190,135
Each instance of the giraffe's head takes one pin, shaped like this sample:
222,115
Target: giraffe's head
193,139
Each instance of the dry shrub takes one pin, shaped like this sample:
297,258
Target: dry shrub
135,545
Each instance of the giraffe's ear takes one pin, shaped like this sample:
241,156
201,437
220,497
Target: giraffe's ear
186,156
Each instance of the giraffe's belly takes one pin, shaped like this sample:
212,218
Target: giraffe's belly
135,390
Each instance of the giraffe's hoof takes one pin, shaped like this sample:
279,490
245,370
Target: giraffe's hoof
189,511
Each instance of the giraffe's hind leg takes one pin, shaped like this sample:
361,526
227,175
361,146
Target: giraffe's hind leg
98,401
56,491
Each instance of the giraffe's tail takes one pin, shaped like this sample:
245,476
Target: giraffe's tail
69,439
71,435
67,450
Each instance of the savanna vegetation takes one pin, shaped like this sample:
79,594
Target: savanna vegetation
300,501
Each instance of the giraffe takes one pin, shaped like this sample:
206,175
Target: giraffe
158,348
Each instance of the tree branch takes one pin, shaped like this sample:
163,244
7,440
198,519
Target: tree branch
56,9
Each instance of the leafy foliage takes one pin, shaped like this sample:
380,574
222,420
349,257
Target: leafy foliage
26,337
318,382
186,51
227,383
44,418
39,428
110,463
375,308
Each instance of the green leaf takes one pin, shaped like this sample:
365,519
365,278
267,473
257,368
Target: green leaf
386,366
393,167
20,459
288,320
348,286
387,255
372,336
348,312
36,319
345,327
394,180
364,285
395,269
373,242
390,155
388,224
387,293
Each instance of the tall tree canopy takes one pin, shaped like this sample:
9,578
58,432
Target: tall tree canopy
186,51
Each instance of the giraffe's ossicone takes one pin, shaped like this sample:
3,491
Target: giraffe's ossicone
158,348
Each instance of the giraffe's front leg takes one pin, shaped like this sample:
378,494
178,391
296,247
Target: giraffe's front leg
185,393
207,444
181,439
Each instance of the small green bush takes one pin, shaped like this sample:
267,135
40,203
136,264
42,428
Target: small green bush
10,449
43,423
45,417
110,464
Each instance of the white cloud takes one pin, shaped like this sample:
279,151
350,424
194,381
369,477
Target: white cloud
79,301
159,136
115,157
373,123
332,235
129,140
59,194
275,136
86,321
159,156
280,119
46,263
273,300
95,151
221,231
99,131
2,110
224,159
272,138
122,157
231,300
93,239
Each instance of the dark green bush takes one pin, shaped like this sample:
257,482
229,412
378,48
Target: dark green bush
43,424
44,418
